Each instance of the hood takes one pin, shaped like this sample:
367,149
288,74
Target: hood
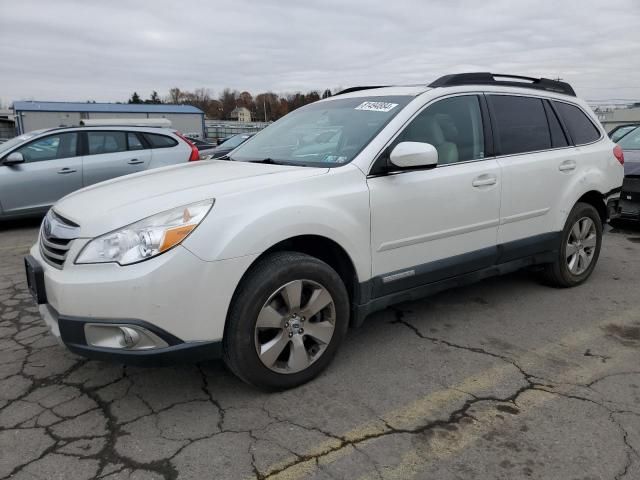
632,162
109,205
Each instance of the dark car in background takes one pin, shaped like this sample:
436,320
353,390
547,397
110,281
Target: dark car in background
630,196
201,144
227,146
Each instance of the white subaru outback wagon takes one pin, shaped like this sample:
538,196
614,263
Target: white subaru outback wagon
371,197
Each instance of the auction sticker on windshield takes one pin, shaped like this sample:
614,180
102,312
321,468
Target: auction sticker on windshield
376,106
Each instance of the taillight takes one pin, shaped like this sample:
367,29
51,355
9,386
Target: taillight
619,154
195,154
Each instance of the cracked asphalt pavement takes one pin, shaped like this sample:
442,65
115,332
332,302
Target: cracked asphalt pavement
505,379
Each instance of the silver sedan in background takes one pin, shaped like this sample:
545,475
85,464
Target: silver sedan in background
40,167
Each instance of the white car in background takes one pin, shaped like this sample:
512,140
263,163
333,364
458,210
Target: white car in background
40,167
267,257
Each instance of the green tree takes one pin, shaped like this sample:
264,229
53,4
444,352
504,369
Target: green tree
155,98
135,98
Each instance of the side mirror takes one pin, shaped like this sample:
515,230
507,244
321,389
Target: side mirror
414,155
13,159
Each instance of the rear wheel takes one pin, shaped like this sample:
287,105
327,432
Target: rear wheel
286,321
580,248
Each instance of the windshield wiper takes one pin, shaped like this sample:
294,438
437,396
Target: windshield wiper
268,160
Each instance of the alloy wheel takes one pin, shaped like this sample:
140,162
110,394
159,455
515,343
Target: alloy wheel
295,326
581,245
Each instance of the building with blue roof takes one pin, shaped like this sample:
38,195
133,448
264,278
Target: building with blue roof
34,115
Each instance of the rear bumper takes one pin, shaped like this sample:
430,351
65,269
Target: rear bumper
630,198
613,205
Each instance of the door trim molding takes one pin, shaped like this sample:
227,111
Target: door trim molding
405,242
524,216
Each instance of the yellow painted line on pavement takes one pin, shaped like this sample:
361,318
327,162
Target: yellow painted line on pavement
428,407
413,463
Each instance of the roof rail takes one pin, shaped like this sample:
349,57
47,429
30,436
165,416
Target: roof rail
128,122
357,89
487,78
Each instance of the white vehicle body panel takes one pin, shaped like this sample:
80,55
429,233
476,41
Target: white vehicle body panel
386,224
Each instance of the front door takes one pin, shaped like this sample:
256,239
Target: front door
51,170
428,225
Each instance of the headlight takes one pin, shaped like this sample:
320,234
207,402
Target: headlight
147,238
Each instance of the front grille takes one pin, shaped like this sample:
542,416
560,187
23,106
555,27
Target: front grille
54,250
56,236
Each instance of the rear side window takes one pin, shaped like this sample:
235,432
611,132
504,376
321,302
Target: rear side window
581,129
520,124
106,142
160,141
558,138
134,142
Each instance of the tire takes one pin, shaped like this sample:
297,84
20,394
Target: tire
563,273
260,318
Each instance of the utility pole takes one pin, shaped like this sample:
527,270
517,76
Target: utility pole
264,107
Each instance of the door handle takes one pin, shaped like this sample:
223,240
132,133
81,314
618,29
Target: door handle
65,170
567,166
135,161
484,180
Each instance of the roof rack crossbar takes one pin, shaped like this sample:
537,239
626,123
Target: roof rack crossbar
357,89
487,78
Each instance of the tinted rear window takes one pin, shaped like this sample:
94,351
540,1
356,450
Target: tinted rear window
520,123
160,141
581,129
558,138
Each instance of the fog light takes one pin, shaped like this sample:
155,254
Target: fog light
130,337
122,336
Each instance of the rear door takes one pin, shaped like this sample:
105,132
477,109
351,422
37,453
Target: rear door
112,153
538,164
51,170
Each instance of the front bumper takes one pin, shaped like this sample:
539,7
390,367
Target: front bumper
71,331
177,296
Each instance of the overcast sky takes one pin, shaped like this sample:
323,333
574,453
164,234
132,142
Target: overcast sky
104,50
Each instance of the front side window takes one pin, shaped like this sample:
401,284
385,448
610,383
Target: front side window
15,141
520,123
327,133
52,147
453,126
106,142
581,129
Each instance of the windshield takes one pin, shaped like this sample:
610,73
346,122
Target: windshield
327,133
9,144
631,141
235,141
621,132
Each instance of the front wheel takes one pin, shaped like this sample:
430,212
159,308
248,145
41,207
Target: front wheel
580,248
286,321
